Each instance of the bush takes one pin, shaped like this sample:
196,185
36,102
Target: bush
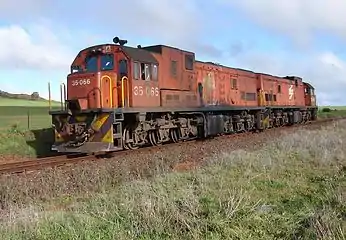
326,110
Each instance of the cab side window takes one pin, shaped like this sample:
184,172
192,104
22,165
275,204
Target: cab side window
123,68
174,71
136,70
145,71
154,72
189,62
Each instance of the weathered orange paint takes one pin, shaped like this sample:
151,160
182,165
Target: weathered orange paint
285,92
310,98
207,84
145,93
96,89
226,86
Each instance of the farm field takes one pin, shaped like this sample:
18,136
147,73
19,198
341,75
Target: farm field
23,125
291,187
25,114
331,111
25,103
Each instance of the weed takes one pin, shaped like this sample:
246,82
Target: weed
291,189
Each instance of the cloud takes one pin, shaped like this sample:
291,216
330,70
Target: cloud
298,19
325,71
302,21
26,9
177,23
188,25
34,48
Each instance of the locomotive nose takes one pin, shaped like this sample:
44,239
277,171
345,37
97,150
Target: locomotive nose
82,91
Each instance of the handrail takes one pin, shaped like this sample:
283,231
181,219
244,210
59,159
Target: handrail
63,97
110,88
123,90
49,97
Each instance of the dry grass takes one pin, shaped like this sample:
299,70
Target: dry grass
291,189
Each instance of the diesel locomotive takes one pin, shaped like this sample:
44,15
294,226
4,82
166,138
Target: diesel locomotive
119,97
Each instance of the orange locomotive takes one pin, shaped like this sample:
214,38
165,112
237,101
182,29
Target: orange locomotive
120,97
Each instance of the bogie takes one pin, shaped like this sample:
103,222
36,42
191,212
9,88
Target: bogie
156,129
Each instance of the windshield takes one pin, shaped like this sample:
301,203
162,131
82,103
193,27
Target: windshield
91,64
107,62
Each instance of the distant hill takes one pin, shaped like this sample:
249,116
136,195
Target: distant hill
28,100
34,96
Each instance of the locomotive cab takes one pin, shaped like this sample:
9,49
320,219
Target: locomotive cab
310,97
105,81
98,78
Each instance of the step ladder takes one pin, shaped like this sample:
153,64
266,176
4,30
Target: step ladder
118,131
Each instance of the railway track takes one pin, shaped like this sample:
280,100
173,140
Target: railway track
18,167
56,161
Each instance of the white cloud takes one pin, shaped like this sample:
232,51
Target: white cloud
35,48
178,23
13,10
299,19
162,19
325,71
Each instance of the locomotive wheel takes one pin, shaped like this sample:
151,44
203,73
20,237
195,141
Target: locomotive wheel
156,135
126,138
154,138
174,135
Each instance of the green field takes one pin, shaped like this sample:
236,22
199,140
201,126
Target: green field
25,103
25,114
331,111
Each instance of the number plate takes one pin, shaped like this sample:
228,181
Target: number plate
146,91
80,82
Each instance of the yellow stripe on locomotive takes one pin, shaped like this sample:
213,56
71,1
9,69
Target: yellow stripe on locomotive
84,132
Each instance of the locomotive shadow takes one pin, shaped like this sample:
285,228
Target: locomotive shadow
42,142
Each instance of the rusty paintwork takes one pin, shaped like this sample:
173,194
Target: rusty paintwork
162,76
226,86
309,93
279,91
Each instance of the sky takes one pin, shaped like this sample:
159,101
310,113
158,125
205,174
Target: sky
306,38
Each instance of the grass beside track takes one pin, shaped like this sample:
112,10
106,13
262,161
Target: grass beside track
291,189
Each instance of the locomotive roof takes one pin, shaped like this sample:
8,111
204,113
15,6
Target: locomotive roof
290,78
158,48
136,54
220,65
139,54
